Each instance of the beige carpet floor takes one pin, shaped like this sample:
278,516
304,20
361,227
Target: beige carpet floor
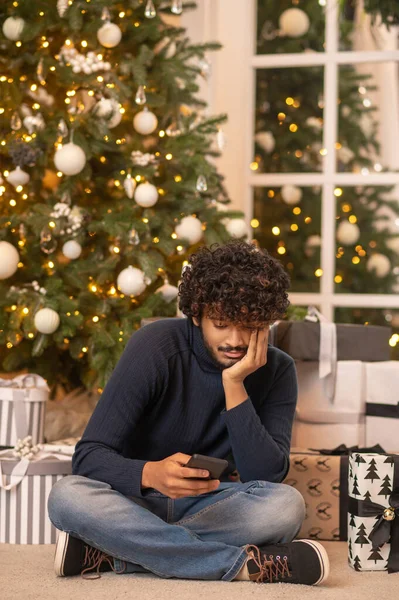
26,573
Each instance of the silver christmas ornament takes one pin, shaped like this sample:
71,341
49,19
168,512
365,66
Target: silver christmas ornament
62,128
129,185
47,242
202,185
150,11
15,121
140,96
177,7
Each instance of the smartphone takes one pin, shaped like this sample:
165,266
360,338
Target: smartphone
215,466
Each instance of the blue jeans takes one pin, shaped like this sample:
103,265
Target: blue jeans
197,537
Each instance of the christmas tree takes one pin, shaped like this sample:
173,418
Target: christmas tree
109,181
288,138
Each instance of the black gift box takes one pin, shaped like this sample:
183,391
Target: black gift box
301,340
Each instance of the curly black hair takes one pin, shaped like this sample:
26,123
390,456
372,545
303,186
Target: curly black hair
236,282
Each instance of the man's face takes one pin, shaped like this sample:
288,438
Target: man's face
226,342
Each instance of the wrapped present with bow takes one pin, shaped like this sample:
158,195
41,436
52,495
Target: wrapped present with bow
321,476
22,408
373,512
27,473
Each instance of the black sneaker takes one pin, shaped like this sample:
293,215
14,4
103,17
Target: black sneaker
300,561
73,556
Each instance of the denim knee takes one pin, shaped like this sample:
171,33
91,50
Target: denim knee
294,508
61,497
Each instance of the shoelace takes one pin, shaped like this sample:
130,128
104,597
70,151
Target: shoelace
275,568
93,558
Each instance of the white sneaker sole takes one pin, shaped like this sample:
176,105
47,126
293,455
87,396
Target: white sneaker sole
323,558
60,551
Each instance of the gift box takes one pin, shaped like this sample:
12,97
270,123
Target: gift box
22,408
302,340
382,404
24,489
321,476
373,512
322,481
305,433
317,404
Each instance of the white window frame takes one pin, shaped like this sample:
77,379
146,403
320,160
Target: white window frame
329,178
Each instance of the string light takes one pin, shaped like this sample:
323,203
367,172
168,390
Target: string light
338,279
96,319
338,192
293,127
271,194
254,166
289,101
276,231
294,227
318,272
255,223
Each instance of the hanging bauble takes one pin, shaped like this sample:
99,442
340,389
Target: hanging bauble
294,23
314,123
9,259
345,155
50,180
18,177
129,185
62,6
202,184
145,122
12,28
131,281
312,243
380,264
265,139
177,7
348,233
15,121
189,228
291,194
109,35
146,195
46,320
237,228
72,249
167,45
169,292
70,159
108,108
150,11
140,97
393,244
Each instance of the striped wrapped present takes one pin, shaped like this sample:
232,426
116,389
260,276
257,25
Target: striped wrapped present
22,408
24,490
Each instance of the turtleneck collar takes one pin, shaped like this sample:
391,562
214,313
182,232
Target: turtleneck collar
207,363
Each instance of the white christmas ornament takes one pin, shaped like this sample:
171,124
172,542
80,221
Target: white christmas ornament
291,194
70,159
294,23
169,292
145,122
345,155
34,123
189,228
237,228
312,243
12,28
46,320
380,264
9,259
109,109
109,35
266,140
314,123
18,177
146,195
72,249
131,281
129,185
348,233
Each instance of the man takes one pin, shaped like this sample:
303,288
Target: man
208,384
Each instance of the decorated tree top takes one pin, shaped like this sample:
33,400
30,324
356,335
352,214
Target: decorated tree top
108,181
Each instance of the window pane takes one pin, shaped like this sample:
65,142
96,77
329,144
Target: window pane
368,118
367,248
287,223
282,27
288,121
373,316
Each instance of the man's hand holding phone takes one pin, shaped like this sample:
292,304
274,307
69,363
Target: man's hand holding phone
172,478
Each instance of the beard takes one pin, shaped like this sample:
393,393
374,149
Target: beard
212,354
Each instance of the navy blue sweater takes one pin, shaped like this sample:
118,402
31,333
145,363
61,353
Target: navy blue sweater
166,395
